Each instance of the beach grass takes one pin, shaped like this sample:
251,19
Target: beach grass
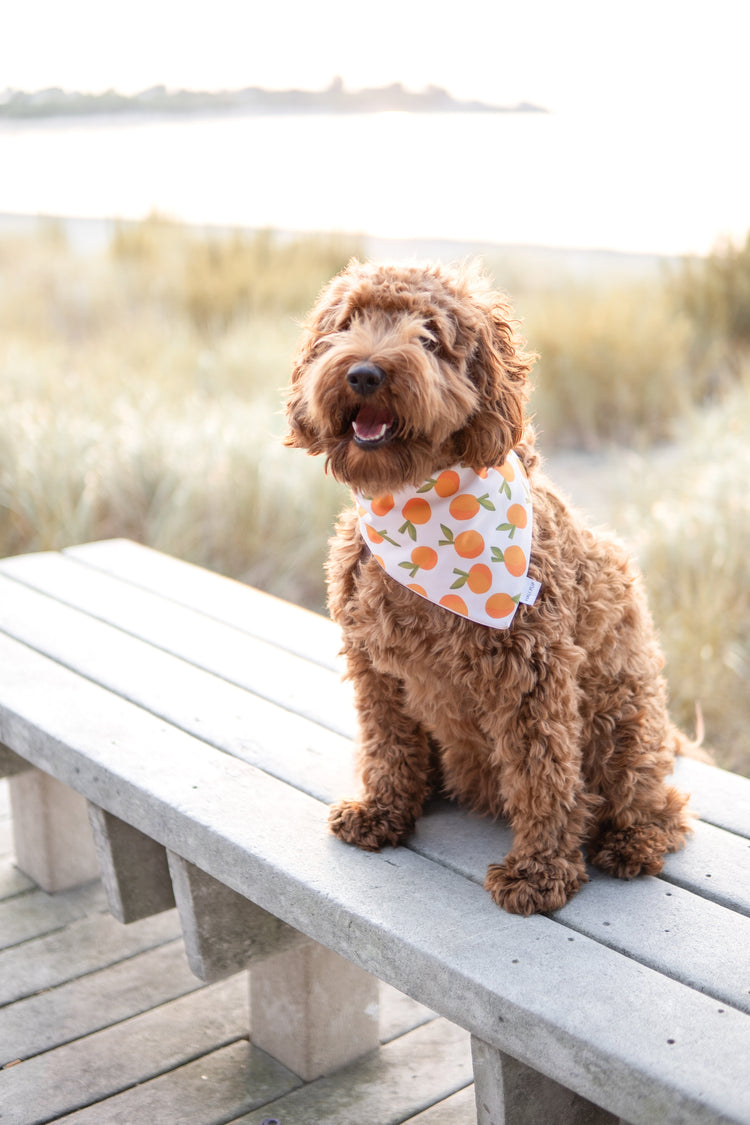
141,392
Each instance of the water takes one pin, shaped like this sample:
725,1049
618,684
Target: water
533,179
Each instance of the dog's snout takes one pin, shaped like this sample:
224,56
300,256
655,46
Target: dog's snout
365,378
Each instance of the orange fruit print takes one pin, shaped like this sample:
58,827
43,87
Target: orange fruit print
500,605
381,505
372,534
458,605
469,544
447,483
416,510
515,561
422,558
464,507
480,578
516,515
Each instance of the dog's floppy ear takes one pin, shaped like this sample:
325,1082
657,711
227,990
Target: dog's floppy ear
325,316
499,369
300,435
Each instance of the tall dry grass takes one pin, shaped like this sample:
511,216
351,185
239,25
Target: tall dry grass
140,396
688,520
130,405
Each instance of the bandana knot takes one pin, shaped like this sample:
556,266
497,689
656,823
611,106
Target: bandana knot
462,539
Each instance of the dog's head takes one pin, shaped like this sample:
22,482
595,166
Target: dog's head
404,370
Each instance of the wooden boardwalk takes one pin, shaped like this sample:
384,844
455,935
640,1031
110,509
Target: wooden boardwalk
104,1024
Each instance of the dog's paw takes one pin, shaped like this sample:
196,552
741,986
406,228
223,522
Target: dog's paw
525,885
368,825
627,852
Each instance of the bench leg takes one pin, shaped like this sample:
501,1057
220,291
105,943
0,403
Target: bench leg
509,1093
134,868
223,931
51,830
313,1010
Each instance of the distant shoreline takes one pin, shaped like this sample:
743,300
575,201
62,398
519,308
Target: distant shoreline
56,102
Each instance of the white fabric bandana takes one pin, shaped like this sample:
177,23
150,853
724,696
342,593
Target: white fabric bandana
461,539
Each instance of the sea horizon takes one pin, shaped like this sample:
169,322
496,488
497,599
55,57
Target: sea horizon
526,180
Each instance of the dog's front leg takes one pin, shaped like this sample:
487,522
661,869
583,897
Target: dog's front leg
543,795
394,763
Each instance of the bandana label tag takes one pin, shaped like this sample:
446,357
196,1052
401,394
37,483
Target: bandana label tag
530,592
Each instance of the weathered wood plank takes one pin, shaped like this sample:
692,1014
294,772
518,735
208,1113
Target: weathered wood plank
36,913
203,704
230,1081
458,1109
719,797
91,1069
198,702
282,677
77,948
665,926
98,1000
208,1091
394,913
386,1086
716,864
261,615
12,881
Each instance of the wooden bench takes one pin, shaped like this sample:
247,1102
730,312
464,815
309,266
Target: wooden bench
204,727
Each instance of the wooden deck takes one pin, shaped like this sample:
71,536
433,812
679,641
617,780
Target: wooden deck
102,1024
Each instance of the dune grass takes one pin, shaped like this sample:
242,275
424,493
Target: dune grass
140,395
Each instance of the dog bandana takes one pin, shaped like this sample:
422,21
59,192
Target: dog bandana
461,539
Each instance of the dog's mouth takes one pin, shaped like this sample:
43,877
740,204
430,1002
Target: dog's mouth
373,426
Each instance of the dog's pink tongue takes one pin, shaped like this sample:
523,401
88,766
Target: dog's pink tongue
372,422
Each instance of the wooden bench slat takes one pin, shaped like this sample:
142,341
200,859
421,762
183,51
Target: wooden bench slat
203,704
268,841
261,615
297,684
317,761
720,797
208,706
688,938
146,677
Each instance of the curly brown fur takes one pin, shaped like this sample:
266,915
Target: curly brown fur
559,722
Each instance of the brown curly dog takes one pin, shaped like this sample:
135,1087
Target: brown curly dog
407,379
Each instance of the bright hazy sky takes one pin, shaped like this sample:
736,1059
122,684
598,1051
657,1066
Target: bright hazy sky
638,54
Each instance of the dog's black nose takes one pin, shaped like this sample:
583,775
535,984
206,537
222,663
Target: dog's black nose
365,378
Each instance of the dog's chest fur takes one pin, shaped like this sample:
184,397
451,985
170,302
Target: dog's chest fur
451,671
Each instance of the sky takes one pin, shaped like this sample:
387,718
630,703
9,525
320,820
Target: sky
632,56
